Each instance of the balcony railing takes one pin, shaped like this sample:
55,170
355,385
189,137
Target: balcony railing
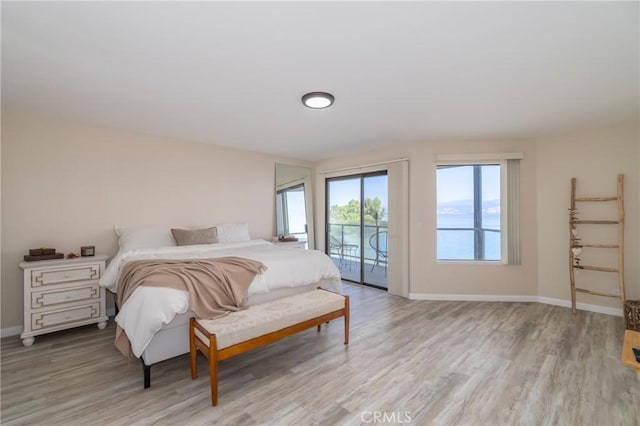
345,242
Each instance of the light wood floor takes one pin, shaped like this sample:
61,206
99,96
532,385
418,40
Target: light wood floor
443,362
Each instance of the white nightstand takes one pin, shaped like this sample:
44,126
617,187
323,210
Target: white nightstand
291,244
61,294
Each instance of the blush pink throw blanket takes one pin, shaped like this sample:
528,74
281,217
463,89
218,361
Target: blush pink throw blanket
216,286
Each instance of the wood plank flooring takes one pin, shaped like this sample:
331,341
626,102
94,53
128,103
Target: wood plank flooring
438,363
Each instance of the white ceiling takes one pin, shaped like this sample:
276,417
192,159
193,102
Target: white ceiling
233,73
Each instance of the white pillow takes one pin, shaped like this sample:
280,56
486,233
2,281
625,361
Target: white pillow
230,232
233,232
139,238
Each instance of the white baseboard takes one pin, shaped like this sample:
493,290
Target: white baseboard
509,298
11,331
582,306
472,297
14,331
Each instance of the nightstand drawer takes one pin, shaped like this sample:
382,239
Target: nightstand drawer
75,314
65,275
41,299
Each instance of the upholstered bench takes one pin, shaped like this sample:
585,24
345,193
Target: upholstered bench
259,325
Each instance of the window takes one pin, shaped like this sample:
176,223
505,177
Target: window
477,209
291,216
468,212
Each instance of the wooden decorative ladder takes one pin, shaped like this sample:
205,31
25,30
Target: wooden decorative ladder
576,245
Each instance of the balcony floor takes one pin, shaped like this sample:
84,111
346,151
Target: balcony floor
350,270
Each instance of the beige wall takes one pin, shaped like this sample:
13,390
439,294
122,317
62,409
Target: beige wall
65,185
426,275
594,158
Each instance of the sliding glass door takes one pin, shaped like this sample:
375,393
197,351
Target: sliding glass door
356,228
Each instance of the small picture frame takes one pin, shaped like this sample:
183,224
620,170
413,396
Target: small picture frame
87,251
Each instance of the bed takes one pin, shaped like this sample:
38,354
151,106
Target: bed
156,319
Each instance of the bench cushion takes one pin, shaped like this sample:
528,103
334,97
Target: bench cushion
268,317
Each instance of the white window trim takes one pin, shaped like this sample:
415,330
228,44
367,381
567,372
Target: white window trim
475,158
509,239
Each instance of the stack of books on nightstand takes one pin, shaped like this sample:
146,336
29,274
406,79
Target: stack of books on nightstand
42,254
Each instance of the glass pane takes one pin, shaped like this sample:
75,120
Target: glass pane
455,245
376,222
296,213
454,197
492,245
343,198
291,217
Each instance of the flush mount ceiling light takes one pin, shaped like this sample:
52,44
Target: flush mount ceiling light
318,100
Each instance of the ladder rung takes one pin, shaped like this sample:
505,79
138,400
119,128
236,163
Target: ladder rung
595,293
595,268
596,222
597,199
598,245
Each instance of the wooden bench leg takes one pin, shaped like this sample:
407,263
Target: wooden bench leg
211,355
213,368
193,351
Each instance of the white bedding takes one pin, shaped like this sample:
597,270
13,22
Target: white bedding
149,308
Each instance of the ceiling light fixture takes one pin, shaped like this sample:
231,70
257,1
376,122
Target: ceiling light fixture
318,100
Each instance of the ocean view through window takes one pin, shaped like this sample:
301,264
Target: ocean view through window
468,212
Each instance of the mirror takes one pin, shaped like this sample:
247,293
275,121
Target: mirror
294,203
